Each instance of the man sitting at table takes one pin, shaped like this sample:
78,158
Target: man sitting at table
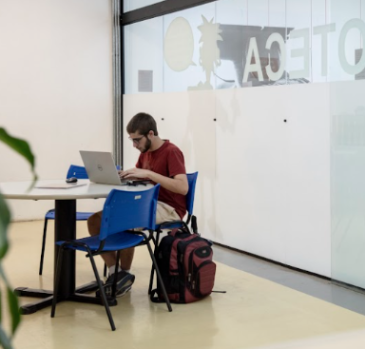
161,162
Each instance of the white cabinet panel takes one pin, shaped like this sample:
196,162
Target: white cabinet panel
273,174
264,172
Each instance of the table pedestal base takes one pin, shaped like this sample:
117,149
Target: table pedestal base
47,297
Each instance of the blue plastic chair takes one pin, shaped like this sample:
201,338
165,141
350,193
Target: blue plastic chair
192,178
74,171
123,211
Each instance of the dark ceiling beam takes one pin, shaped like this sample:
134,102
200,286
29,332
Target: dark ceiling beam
159,9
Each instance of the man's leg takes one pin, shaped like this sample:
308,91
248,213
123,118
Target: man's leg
164,213
124,278
126,258
94,224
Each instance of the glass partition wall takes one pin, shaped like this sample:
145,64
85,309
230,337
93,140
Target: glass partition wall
347,109
208,46
208,58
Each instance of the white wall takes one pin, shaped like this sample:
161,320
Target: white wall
278,203
55,87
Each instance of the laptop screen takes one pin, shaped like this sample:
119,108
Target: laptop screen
100,168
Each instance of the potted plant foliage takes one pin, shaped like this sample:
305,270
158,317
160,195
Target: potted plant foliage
21,147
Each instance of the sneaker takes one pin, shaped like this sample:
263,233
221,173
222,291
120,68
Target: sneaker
124,284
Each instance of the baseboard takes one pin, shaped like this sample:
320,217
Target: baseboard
334,281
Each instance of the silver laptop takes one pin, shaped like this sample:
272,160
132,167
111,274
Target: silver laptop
100,167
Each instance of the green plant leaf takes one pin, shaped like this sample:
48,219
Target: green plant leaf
20,146
4,221
4,340
14,309
1,307
23,148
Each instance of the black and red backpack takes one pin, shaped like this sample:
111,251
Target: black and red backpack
186,265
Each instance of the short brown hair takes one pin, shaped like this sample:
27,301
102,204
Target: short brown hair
143,123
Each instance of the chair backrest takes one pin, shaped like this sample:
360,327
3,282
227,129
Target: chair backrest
192,178
77,171
125,210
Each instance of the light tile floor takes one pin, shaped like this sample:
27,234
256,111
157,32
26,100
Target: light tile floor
349,298
255,312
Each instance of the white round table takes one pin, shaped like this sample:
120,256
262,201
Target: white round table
65,196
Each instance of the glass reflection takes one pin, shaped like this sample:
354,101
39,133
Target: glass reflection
130,5
236,44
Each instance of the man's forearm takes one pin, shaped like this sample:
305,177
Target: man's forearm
176,185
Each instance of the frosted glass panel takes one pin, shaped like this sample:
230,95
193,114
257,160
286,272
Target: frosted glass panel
348,181
232,19
235,44
190,49
319,62
298,48
144,56
347,110
346,41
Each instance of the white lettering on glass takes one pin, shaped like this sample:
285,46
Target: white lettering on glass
324,30
302,52
276,37
253,52
346,66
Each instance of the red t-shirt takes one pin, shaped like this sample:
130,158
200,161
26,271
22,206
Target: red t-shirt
168,161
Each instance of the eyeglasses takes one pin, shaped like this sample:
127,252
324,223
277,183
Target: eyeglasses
136,140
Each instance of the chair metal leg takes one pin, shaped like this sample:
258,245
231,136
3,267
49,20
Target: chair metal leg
153,267
57,281
159,277
43,245
102,292
152,275
114,287
105,269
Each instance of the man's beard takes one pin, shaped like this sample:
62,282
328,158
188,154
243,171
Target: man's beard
147,146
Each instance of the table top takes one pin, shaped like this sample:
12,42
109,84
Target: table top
59,190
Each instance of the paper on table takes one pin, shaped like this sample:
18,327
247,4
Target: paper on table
59,186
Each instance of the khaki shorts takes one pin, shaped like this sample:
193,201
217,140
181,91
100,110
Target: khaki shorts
165,213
